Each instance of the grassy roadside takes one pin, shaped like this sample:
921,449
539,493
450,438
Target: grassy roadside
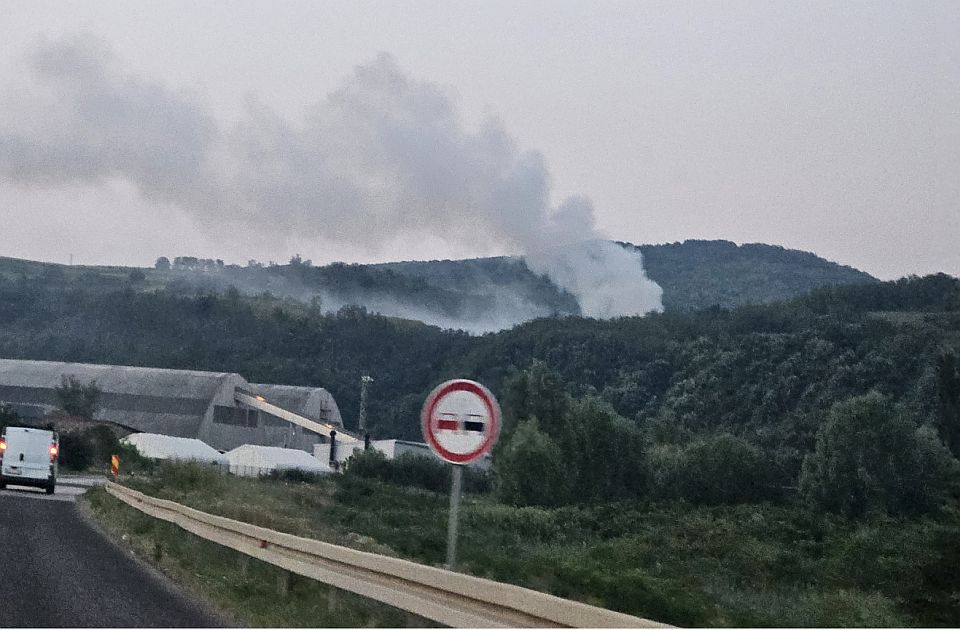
244,590
745,565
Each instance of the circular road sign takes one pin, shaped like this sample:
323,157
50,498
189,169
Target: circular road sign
460,421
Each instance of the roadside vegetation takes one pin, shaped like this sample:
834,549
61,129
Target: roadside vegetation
245,591
727,565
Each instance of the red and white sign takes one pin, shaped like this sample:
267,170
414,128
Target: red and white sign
460,421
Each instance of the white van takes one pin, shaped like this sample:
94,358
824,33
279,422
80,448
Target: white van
28,457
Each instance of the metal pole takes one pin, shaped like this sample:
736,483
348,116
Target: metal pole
333,449
364,381
454,509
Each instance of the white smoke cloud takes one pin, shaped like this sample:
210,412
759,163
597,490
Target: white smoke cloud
384,155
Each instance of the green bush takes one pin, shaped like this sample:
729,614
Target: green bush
295,475
530,469
414,470
92,448
76,452
712,470
871,457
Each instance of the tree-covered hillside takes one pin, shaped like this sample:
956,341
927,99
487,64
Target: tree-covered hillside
701,274
478,295
765,371
693,274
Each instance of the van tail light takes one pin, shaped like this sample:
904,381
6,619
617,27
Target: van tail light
53,452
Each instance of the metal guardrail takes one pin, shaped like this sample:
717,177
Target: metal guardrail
447,597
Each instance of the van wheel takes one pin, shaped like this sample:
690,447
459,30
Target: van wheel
3,485
49,489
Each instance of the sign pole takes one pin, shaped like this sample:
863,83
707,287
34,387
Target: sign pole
455,488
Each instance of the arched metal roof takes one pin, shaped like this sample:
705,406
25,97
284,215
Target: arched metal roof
314,403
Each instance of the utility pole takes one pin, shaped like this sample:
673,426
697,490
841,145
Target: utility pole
364,382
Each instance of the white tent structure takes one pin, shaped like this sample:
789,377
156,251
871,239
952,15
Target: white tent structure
157,446
251,460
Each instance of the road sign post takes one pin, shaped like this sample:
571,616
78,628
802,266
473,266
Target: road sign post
461,422
455,492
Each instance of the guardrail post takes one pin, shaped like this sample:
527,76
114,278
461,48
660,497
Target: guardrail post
243,563
283,583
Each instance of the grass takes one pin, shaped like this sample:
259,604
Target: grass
244,590
746,565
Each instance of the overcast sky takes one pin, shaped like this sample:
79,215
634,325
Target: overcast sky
832,127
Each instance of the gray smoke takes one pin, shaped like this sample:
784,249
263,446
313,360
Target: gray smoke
385,155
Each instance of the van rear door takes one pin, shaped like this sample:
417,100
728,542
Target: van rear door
27,455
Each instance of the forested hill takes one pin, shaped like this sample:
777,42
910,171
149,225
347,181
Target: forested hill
694,274
481,294
700,274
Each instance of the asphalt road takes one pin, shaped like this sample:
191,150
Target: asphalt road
56,570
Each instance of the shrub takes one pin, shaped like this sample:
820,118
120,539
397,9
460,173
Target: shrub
76,398
294,475
713,470
530,470
93,447
76,452
871,457
414,470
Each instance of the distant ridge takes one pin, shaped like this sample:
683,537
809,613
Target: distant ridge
698,274
480,294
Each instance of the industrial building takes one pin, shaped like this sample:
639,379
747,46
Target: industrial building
220,408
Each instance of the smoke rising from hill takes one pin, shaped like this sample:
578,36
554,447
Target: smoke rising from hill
383,155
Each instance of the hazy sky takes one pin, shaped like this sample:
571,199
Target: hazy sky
832,127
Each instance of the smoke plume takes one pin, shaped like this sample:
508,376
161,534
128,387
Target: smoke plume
384,155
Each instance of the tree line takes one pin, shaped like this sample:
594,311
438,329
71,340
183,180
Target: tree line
650,406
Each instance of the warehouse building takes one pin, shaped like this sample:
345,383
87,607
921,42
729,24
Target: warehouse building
219,408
